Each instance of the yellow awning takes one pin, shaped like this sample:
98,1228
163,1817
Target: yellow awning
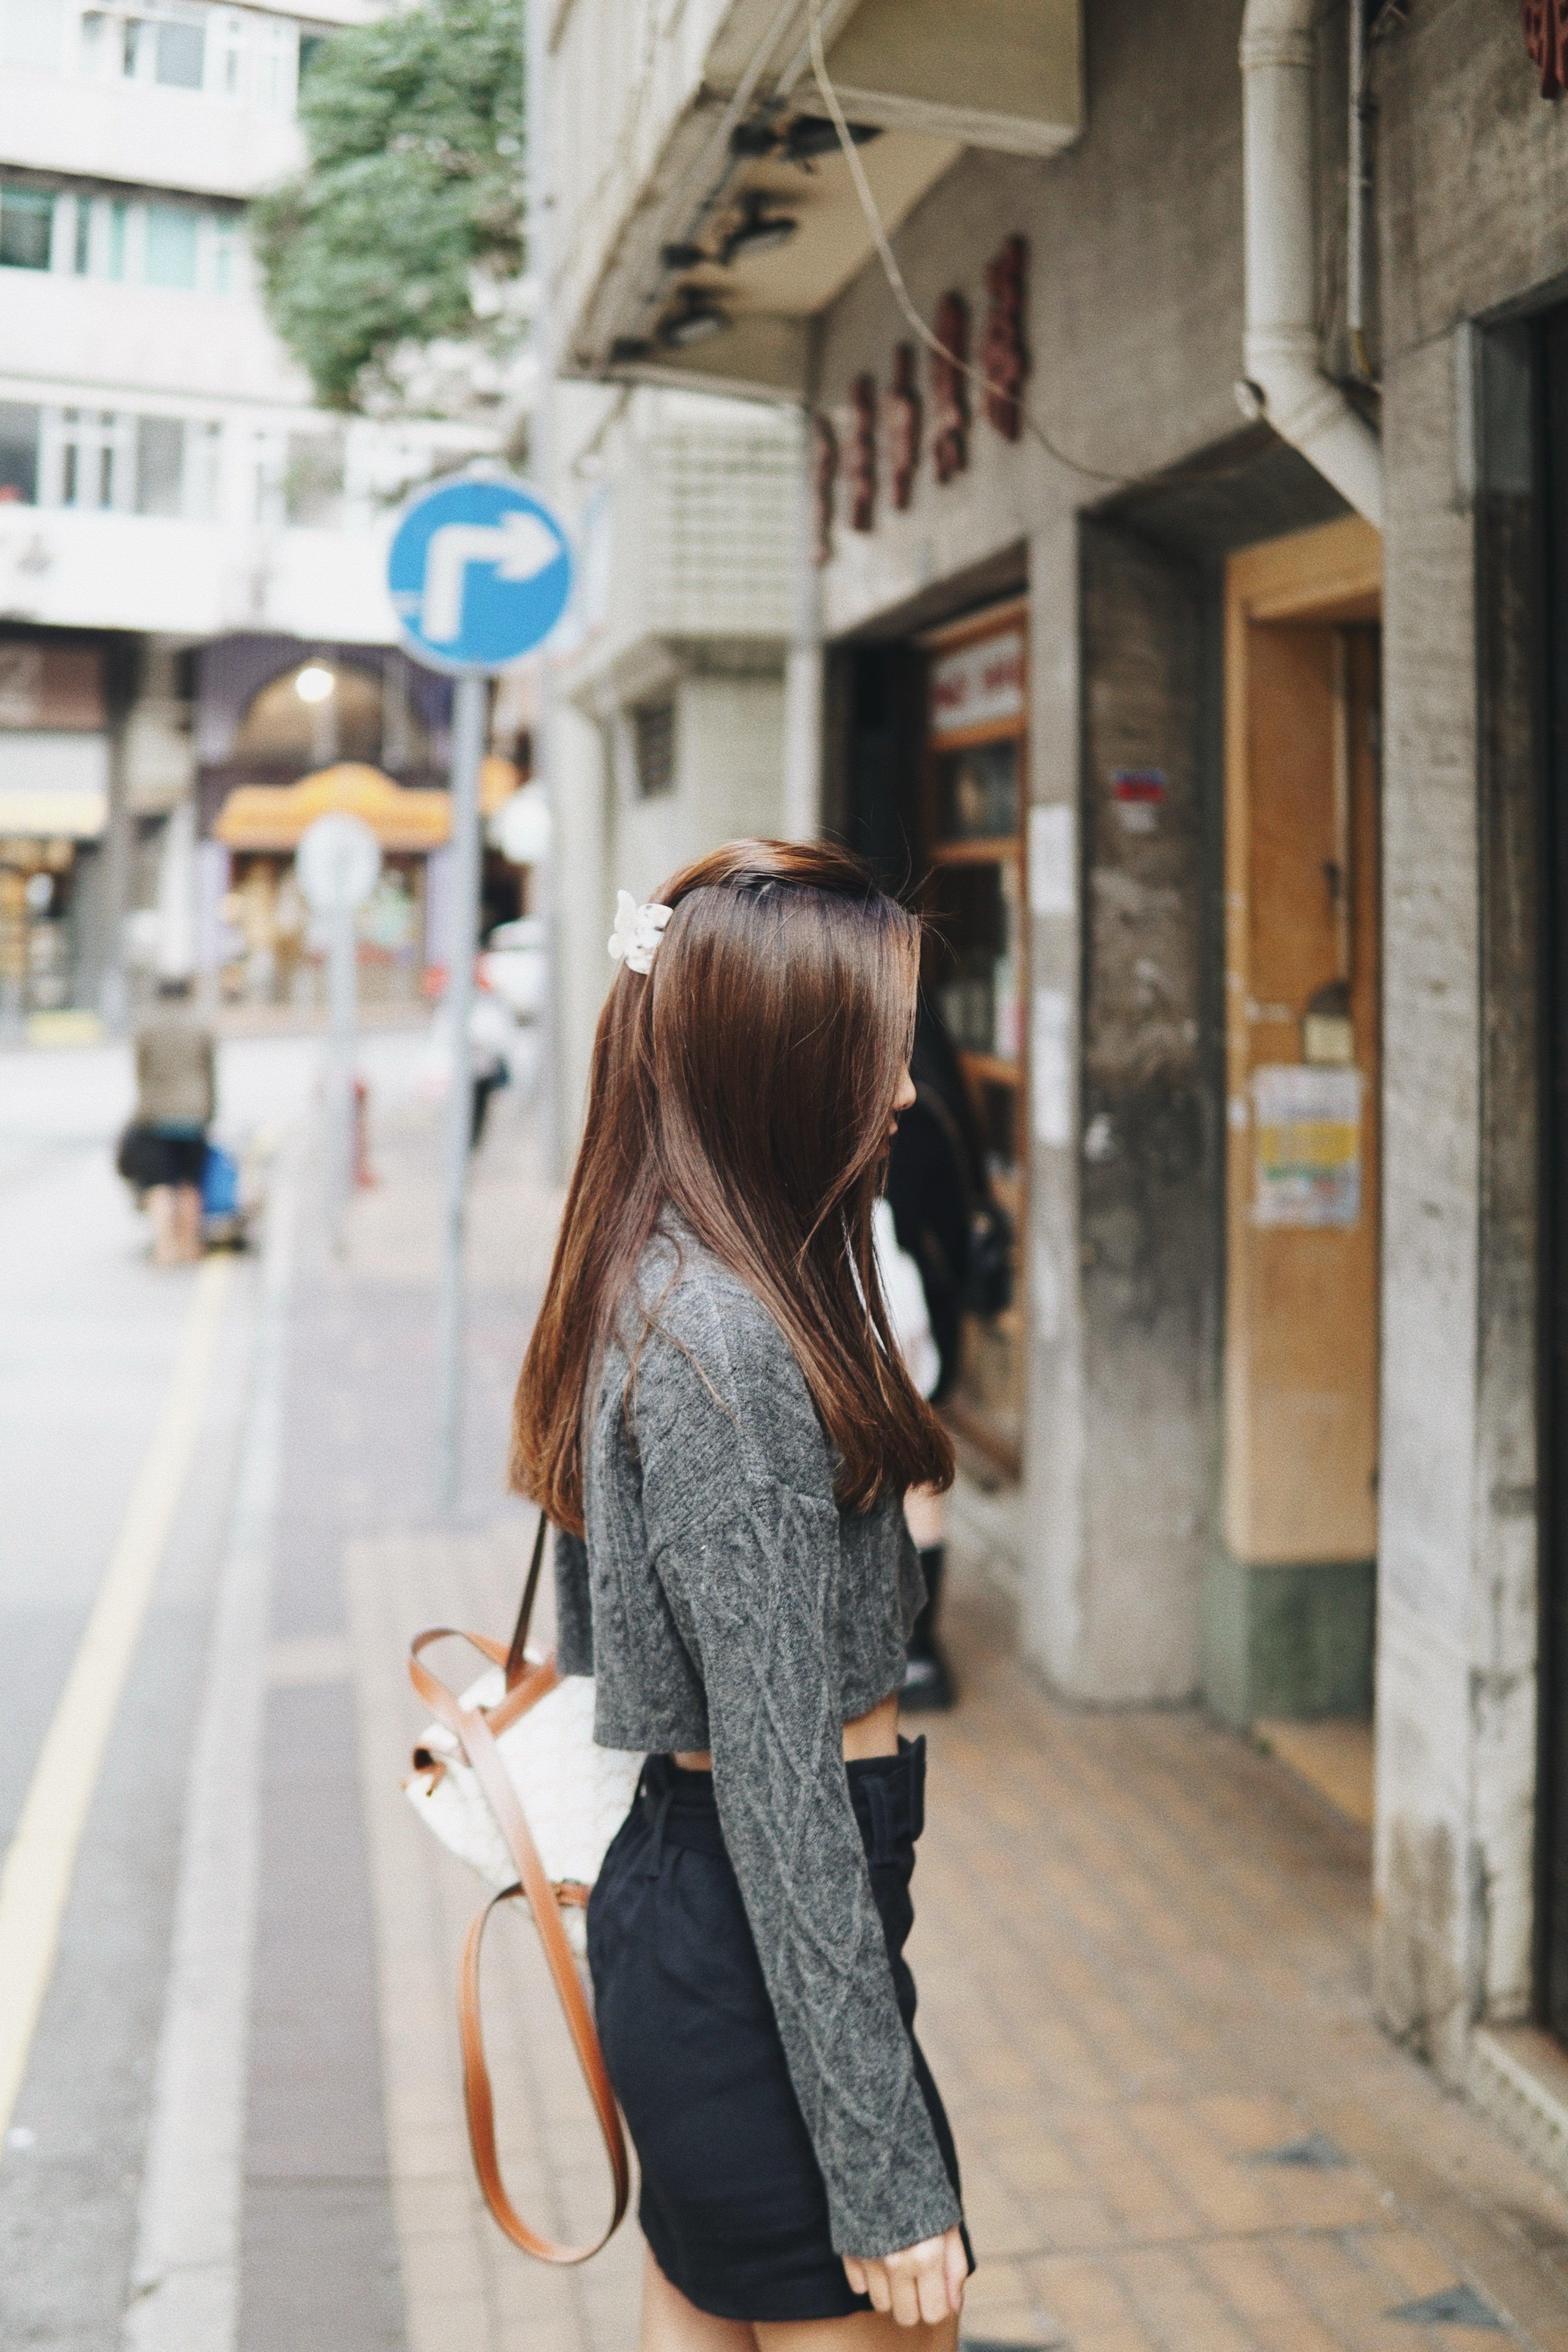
273,816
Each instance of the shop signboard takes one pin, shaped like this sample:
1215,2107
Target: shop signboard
979,685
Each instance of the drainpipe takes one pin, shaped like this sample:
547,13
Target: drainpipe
1284,381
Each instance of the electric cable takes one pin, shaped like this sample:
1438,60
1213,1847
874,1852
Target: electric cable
901,293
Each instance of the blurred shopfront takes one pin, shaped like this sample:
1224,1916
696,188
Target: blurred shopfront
55,751
255,938
286,732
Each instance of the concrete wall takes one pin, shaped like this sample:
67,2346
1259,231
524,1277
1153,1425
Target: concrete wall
1473,216
1149,1165
1134,329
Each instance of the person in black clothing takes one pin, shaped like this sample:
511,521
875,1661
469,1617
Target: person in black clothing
957,1234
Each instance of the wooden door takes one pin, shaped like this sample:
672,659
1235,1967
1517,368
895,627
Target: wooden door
1303,1050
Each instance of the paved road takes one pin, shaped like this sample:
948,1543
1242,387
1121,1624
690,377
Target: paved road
91,1336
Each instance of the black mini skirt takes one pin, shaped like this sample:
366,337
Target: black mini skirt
732,2203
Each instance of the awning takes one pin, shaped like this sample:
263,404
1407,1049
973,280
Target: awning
273,816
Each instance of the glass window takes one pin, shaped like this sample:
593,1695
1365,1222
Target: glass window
170,258
18,453
26,227
313,478
81,250
203,446
180,61
978,792
160,465
94,450
276,64
117,238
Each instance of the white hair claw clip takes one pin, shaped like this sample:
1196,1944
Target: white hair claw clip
636,931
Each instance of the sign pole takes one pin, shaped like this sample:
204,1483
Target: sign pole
341,978
479,573
469,714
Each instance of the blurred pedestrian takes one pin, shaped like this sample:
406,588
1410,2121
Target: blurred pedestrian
176,1097
713,1398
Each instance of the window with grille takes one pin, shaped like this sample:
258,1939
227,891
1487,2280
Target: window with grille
653,747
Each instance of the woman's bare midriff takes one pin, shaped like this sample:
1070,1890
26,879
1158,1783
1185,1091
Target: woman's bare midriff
873,1733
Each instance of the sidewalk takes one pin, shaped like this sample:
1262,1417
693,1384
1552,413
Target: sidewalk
1143,1952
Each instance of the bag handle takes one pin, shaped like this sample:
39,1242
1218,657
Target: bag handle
470,1727
517,1656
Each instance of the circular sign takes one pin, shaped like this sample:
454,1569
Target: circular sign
479,571
337,861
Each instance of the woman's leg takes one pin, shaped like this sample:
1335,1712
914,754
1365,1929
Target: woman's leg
187,1222
671,2324
161,1208
863,2331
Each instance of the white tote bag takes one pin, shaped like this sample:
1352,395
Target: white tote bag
509,1777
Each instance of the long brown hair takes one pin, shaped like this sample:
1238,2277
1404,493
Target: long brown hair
748,1082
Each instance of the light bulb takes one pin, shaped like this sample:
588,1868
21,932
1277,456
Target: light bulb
314,683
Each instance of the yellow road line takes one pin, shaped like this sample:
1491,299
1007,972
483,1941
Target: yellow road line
41,1861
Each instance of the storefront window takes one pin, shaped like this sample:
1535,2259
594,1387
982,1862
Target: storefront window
977,715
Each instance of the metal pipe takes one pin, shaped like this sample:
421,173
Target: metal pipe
469,710
552,1059
1355,193
1284,381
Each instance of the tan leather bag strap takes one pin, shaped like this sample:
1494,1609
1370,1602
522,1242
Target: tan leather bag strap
475,1736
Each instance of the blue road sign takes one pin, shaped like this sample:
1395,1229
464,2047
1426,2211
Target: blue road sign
479,571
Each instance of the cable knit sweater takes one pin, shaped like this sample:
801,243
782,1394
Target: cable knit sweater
723,1601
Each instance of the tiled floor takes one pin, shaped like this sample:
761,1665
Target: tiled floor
1142,1950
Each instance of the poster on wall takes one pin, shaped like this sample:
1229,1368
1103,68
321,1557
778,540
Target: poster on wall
1307,1131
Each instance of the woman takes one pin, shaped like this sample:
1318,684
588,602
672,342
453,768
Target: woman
175,1100
712,1396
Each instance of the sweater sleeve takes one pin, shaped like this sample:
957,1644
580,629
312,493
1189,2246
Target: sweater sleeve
574,1606
744,1532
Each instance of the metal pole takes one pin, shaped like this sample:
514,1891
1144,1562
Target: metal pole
552,1060
340,976
468,715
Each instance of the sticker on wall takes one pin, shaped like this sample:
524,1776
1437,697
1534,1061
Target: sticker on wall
1050,1073
1053,866
1308,1145
1139,794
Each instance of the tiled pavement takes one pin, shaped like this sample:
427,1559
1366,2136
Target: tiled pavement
1143,1951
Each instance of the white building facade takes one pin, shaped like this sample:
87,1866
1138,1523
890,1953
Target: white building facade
165,481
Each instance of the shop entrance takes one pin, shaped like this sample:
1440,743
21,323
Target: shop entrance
1290,1605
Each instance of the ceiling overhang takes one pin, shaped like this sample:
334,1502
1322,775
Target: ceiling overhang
921,79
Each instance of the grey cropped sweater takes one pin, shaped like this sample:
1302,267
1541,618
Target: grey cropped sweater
723,1601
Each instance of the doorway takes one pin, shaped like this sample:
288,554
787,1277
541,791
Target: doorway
1290,1599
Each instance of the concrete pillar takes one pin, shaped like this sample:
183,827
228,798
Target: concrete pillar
1053,1629
1455,1601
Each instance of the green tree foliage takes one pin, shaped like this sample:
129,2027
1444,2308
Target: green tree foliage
415,128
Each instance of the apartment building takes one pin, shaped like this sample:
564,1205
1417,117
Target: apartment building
175,515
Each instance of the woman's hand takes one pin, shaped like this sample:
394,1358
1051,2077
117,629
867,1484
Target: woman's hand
922,2282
